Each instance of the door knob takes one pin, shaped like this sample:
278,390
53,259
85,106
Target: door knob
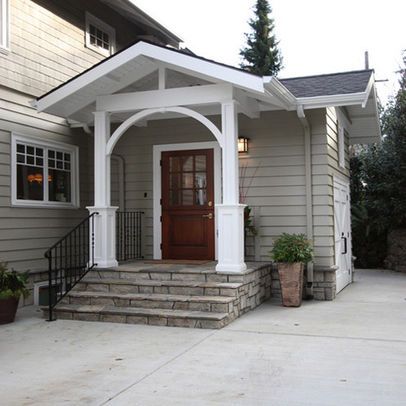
208,216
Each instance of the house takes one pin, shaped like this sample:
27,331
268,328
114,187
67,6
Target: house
153,133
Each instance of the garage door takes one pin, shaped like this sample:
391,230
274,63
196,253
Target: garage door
342,230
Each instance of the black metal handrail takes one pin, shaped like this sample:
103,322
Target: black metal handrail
129,235
69,260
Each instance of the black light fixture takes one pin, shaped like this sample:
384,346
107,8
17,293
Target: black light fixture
243,144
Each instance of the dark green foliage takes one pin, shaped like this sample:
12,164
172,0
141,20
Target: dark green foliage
292,248
12,284
261,54
378,185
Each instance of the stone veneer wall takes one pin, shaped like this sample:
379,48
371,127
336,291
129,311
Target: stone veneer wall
324,284
256,286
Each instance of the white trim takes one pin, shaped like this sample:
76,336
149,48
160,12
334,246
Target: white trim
341,146
102,26
157,185
332,100
72,149
145,113
182,62
5,27
151,99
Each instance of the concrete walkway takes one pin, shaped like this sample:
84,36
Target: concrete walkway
348,352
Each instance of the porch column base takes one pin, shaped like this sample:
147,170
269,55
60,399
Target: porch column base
230,222
104,236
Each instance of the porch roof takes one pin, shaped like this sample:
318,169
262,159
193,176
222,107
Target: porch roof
137,69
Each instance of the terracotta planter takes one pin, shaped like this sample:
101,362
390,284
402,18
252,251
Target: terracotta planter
8,310
291,280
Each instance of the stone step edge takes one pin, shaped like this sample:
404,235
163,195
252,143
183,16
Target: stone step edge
139,311
159,297
182,284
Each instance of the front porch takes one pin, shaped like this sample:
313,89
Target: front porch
182,294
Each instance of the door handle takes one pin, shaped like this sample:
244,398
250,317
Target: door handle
208,216
345,244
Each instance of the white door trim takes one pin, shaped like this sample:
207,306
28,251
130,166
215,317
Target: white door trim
157,185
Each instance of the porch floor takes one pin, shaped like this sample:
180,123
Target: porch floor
179,294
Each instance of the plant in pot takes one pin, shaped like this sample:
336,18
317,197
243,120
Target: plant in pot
12,286
291,252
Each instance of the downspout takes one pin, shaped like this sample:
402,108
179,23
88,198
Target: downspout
309,193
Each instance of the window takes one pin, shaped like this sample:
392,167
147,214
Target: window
341,147
99,36
43,173
4,26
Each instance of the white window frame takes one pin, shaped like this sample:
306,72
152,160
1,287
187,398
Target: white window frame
4,26
341,146
72,149
92,20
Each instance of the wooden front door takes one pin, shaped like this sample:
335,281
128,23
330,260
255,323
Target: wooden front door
188,205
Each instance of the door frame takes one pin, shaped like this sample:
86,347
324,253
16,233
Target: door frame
343,183
157,186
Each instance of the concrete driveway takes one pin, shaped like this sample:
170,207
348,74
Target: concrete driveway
348,352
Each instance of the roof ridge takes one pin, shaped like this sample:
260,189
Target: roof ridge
327,74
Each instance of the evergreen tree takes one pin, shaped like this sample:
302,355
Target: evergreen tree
378,184
261,54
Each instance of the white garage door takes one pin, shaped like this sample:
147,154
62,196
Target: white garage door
342,226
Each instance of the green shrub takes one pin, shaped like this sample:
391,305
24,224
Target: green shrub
12,284
292,248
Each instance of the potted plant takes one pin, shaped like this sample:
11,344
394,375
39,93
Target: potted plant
291,252
12,286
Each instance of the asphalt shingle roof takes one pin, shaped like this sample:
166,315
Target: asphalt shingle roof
330,84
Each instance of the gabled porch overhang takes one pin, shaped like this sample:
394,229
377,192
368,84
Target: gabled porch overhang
147,82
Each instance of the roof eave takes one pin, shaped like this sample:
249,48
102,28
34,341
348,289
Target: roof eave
280,91
333,100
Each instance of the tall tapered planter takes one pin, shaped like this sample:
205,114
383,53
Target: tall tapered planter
291,281
291,252
8,310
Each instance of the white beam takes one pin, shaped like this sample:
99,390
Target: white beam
247,105
183,96
161,78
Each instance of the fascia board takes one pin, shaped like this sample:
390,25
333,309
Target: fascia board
332,101
281,92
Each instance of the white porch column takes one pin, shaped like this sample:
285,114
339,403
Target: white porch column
105,221
230,214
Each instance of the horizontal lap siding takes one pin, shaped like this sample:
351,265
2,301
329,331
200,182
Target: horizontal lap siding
276,156
26,233
47,42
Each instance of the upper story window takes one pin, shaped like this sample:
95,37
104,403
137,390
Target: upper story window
43,173
100,36
4,26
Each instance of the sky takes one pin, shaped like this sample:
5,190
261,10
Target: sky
315,36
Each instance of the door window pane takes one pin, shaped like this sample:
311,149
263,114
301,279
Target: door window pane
187,197
187,180
200,162
187,164
201,197
200,180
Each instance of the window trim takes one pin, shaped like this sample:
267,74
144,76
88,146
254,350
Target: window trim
72,149
5,27
91,19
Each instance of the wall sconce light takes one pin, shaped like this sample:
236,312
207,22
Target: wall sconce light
243,144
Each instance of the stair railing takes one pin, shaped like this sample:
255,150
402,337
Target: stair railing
69,260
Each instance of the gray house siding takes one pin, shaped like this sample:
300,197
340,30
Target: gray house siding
275,169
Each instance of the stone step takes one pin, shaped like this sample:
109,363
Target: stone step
222,304
134,315
163,274
189,288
